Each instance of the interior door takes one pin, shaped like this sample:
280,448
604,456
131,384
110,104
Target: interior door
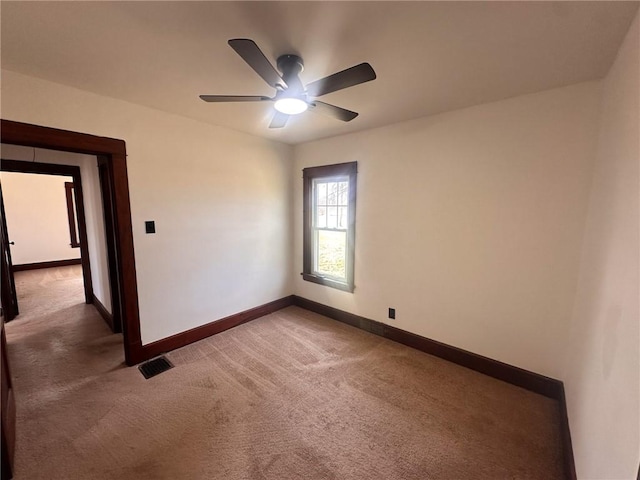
8,411
8,297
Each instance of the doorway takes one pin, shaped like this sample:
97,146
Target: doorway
43,170
115,196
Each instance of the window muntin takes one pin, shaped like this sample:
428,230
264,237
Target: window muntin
329,219
330,226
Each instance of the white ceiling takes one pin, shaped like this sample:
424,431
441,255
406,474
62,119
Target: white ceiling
430,57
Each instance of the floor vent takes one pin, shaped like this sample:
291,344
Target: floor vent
155,367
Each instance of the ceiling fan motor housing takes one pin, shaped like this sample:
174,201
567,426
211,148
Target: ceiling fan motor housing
290,63
290,66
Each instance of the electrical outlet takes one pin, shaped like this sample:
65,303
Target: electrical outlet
392,313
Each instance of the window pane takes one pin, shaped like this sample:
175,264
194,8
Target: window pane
332,193
342,217
321,217
321,189
343,193
331,253
332,217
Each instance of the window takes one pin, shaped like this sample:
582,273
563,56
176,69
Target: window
329,225
71,214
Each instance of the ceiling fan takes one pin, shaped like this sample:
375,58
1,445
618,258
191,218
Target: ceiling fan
292,97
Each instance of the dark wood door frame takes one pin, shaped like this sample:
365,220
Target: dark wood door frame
106,183
8,295
113,152
7,411
19,166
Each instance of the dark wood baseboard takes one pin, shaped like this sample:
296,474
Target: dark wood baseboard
51,264
565,438
153,349
104,313
534,382
546,386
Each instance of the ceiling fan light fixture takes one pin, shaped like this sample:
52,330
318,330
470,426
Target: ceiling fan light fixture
291,106
292,96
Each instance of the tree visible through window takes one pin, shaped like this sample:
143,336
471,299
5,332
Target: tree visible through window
329,219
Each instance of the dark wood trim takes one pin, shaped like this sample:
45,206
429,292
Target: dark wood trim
8,295
106,183
51,264
565,437
84,238
28,135
546,386
104,313
122,232
340,315
327,282
5,456
7,411
71,215
185,338
17,133
73,171
535,382
549,387
349,169
21,166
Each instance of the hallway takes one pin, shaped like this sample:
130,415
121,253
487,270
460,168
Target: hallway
58,348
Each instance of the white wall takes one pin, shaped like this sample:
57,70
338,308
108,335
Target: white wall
220,200
37,221
94,215
468,223
602,377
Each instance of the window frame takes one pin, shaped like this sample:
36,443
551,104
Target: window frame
310,174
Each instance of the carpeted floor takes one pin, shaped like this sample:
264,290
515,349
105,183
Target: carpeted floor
292,395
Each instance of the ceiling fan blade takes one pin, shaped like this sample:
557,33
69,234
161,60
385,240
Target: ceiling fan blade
333,111
279,120
346,78
251,53
233,98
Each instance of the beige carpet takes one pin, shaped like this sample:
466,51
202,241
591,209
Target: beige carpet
292,395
